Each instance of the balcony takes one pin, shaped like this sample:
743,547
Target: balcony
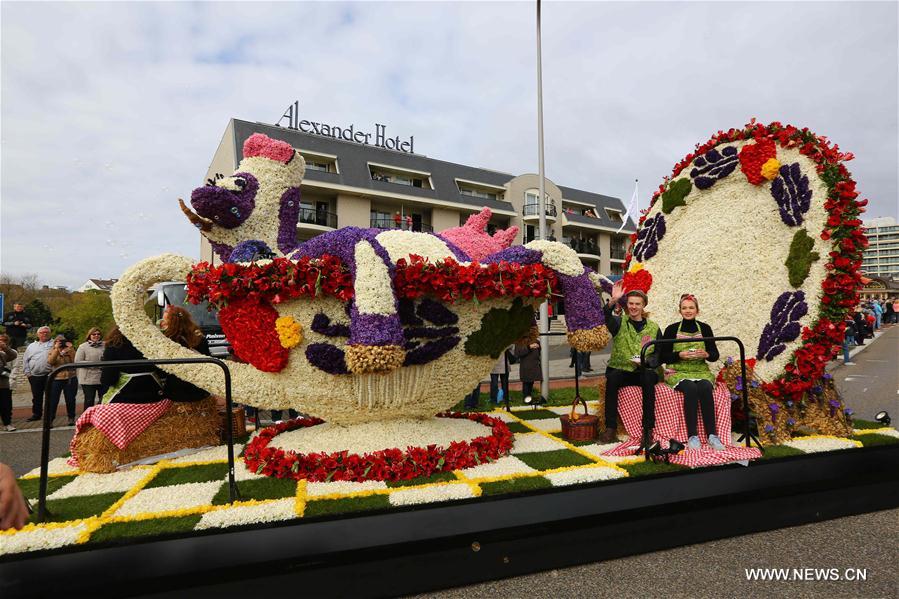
391,224
617,254
318,218
529,211
585,248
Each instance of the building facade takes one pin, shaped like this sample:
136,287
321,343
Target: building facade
353,184
881,259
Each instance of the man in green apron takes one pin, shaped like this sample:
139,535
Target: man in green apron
630,333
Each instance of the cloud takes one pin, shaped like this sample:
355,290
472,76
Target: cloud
112,111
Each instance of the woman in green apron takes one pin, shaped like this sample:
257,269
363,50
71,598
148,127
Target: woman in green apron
688,370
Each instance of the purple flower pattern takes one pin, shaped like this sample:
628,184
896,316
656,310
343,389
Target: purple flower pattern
714,166
792,193
784,325
648,239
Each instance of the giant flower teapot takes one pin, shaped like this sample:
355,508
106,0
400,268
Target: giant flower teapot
355,324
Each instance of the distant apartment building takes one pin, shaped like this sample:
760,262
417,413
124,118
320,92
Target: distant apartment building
881,258
357,184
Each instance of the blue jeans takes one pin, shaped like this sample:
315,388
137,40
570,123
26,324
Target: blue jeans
846,341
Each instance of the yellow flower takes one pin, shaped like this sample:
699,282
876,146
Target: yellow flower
635,267
770,169
289,331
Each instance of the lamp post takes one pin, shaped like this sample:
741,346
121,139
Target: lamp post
541,206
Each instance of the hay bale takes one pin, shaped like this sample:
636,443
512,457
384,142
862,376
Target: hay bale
183,426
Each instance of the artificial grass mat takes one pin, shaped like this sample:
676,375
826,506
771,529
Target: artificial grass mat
259,489
865,424
203,473
144,528
650,468
515,485
31,486
772,452
437,477
326,507
548,460
874,439
76,508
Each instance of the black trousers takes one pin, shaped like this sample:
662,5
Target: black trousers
643,378
527,388
91,393
67,387
495,385
6,406
37,394
698,394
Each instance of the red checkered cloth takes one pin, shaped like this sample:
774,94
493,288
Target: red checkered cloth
120,422
670,424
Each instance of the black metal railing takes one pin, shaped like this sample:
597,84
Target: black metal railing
534,210
747,433
311,216
582,246
617,253
402,224
233,493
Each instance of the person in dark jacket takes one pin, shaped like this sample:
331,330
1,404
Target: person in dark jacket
131,384
848,340
689,362
178,326
528,355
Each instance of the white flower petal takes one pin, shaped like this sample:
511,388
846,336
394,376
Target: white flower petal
531,442
273,511
501,467
446,492
95,484
174,497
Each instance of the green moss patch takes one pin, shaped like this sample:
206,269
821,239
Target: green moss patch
800,258
145,528
780,451
649,468
327,507
516,485
517,427
75,508
548,460
675,194
438,477
873,439
865,424
31,486
499,329
537,414
259,489
192,474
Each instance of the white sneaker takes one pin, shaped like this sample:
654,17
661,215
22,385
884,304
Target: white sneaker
528,399
693,442
10,428
715,443
848,363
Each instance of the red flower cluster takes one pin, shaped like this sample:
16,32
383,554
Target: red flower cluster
277,281
449,281
249,324
387,464
840,287
753,156
640,280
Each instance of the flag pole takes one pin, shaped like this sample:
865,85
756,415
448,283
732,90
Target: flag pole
541,207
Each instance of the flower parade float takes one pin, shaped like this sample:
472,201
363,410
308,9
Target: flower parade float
374,336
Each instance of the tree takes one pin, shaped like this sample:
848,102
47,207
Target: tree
40,314
86,310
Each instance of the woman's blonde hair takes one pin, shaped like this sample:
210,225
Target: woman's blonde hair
90,332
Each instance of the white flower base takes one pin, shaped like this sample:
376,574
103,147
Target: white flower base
272,511
376,436
431,494
531,442
817,444
171,498
40,538
95,484
583,475
506,466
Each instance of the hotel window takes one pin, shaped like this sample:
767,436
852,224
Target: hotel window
325,163
477,193
614,215
398,176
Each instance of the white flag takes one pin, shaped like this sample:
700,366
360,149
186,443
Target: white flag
631,208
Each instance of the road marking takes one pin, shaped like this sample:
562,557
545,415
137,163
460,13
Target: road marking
865,390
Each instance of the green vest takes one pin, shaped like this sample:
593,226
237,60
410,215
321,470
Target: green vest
689,369
628,342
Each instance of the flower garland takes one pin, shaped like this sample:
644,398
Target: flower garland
387,464
281,279
821,339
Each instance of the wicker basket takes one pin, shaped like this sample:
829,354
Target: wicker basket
577,427
238,423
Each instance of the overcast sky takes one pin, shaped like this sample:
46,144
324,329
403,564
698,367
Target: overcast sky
111,111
